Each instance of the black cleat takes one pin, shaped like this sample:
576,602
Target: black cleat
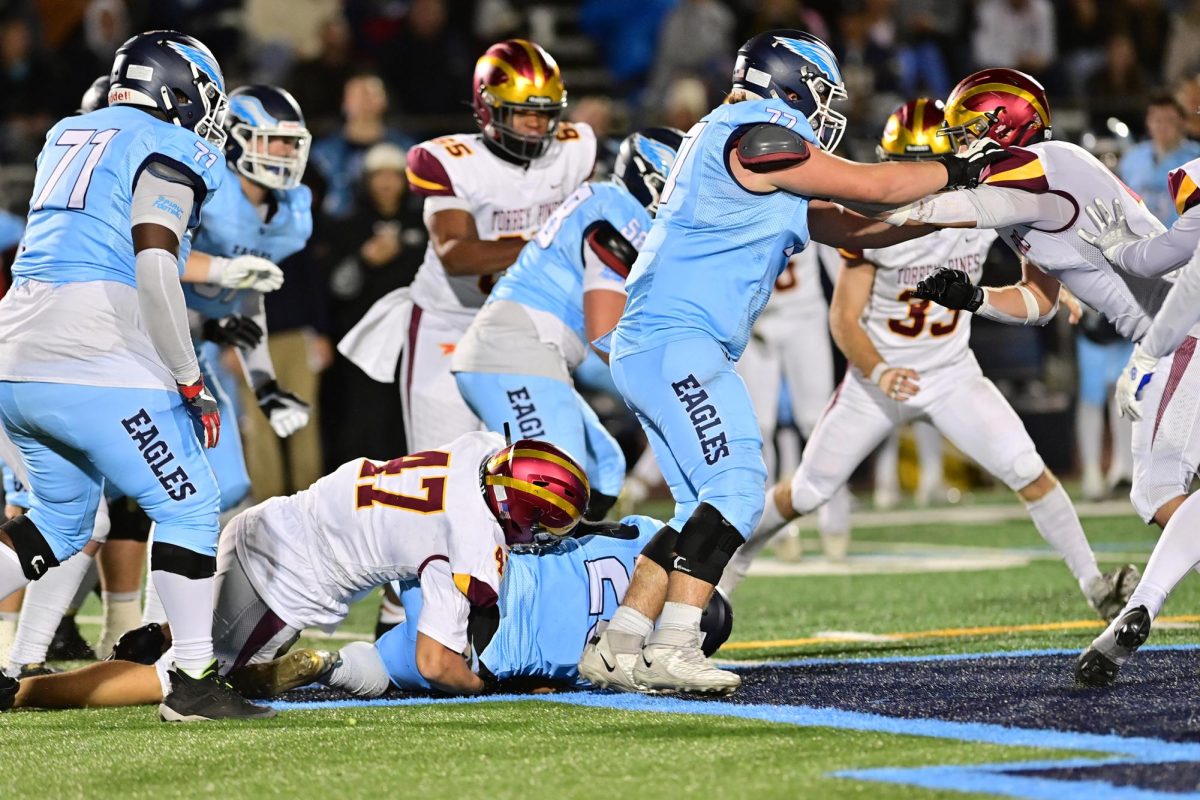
68,644
35,669
142,645
1100,663
8,691
206,698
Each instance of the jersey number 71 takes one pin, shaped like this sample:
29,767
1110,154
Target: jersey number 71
75,141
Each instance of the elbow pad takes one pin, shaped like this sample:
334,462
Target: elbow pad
767,148
608,245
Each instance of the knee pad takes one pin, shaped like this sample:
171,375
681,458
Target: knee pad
706,544
127,521
598,506
661,548
1027,468
166,557
33,551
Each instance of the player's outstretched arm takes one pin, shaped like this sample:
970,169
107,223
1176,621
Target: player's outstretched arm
851,293
1033,301
456,241
241,272
1146,255
837,226
987,207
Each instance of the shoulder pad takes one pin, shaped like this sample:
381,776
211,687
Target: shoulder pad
766,148
610,246
1023,169
1184,192
427,175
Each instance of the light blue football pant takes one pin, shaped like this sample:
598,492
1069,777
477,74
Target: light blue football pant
227,459
1100,366
698,417
398,647
536,407
142,441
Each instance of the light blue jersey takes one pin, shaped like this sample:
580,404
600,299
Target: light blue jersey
548,275
715,250
232,228
79,213
550,604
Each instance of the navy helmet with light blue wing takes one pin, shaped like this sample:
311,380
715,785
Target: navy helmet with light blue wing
174,75
644,161
799,69
268,141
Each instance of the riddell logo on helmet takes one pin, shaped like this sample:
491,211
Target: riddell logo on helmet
119,96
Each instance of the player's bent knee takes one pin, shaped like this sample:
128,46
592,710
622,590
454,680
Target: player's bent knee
32,549
361,671
808,494
167,557
661,547
706,544
1028,469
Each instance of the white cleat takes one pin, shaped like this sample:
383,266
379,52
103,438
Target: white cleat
673,668
608,660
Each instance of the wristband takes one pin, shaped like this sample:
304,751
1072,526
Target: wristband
878,370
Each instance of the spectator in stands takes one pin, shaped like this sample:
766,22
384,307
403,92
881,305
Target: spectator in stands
28,89
285,30
763,15
1144,168
696,39
1187,94
427,39
317,83
597,111
1014,33
686,102
1116,89
339,157
374,252
626,34
928,42
1182,58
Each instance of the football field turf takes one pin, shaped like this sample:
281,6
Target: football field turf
935,663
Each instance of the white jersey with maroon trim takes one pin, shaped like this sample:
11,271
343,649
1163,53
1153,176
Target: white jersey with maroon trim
370,522
1127,301
920,334
506,200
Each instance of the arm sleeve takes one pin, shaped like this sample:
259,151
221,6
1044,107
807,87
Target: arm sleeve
445,611
1158,255
256,362
993,207
164,313
162,196
1179,312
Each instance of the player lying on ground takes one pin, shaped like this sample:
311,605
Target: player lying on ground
514,364
442,517
741,198
911,361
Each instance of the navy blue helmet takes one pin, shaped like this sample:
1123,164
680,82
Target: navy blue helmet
716,622
644,161
268,141
175,75
96,95
799,69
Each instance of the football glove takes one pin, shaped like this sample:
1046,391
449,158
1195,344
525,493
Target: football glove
251,272
236,330
951,288
286,412
1112,231
201,406
1138,372
963,169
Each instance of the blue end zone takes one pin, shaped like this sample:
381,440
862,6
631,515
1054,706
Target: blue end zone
1145,730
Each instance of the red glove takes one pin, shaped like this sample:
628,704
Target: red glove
202,408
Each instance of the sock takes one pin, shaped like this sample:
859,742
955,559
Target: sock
46,600
1177,551
887,470
12,577
360,671
87,582
679,626
631,621
152,610
391,613
1121,466
189,608
122,612
929,457
833,518
1055,519
8,631
1089,429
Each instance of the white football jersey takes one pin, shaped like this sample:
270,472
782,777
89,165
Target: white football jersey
920,334
1127,301
798,287
507,201
370,522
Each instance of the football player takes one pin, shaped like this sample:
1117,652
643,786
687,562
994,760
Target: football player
1166,451
910,360
790,342
116,191
1035,199
737,205
567,288
485,194
445,518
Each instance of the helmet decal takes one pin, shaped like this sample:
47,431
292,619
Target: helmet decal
251,109
660,156
201,60
821,56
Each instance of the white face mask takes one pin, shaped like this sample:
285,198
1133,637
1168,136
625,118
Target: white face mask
264,168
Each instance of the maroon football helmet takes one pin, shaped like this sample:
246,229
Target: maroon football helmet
1005,105
517,75
535,490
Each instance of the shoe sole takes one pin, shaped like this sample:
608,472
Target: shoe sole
168,714
601,681
1096,669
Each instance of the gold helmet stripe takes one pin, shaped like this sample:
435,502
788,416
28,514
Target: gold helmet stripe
554,459
540,493
999,87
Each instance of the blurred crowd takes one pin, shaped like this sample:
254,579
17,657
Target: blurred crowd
375,76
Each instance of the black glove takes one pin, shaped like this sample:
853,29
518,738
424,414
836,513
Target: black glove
963,169
950,288
286,412
236,330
